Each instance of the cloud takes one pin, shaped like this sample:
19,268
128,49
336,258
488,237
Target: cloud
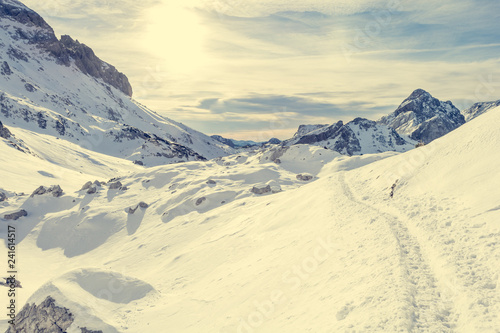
267,66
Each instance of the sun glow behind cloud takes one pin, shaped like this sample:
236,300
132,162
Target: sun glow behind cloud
174,34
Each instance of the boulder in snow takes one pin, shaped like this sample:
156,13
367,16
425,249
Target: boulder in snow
115,185
16,215
261,190
305,177
200,201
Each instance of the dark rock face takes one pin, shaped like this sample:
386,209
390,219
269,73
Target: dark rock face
15,216
3,197
44,318
478,109
20,13
4,132
329,132
63,50
223,140
423,117
304,129
90,64
5,69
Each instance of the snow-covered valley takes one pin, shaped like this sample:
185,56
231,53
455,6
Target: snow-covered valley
125,221
332,254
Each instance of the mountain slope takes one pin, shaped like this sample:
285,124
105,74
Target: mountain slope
423,117
360,136
59,87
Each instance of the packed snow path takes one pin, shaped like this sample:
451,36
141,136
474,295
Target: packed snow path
427,310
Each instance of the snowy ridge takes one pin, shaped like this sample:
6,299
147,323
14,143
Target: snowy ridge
39,92
478,109
360,136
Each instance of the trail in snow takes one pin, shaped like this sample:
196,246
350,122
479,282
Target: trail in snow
428,311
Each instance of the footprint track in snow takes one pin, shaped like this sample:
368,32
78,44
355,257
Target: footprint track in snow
429,312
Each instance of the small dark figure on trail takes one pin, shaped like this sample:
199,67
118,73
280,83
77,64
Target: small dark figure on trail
393,187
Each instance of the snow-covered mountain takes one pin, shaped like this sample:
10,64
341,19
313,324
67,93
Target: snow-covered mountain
423,117
61,88
357,137
478,109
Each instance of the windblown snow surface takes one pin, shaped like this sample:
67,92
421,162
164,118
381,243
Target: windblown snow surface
333,254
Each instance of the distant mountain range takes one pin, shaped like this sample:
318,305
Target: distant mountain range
59,87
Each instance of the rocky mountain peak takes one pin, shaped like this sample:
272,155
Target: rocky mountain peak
39,33
17,11
419,93
423,117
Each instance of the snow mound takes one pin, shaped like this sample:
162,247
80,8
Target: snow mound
95,297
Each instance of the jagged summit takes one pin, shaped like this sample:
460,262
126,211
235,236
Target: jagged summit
423,117
64,50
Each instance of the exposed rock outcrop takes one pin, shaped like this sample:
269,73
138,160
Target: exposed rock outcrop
3,196
4,132
46,317
305,177
55,190
115,185
15,216
478,109
261,190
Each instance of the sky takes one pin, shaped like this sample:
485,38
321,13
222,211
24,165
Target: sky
258,69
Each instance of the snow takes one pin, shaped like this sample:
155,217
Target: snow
378,242
334,254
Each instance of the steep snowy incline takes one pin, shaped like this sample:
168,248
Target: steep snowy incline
60,88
